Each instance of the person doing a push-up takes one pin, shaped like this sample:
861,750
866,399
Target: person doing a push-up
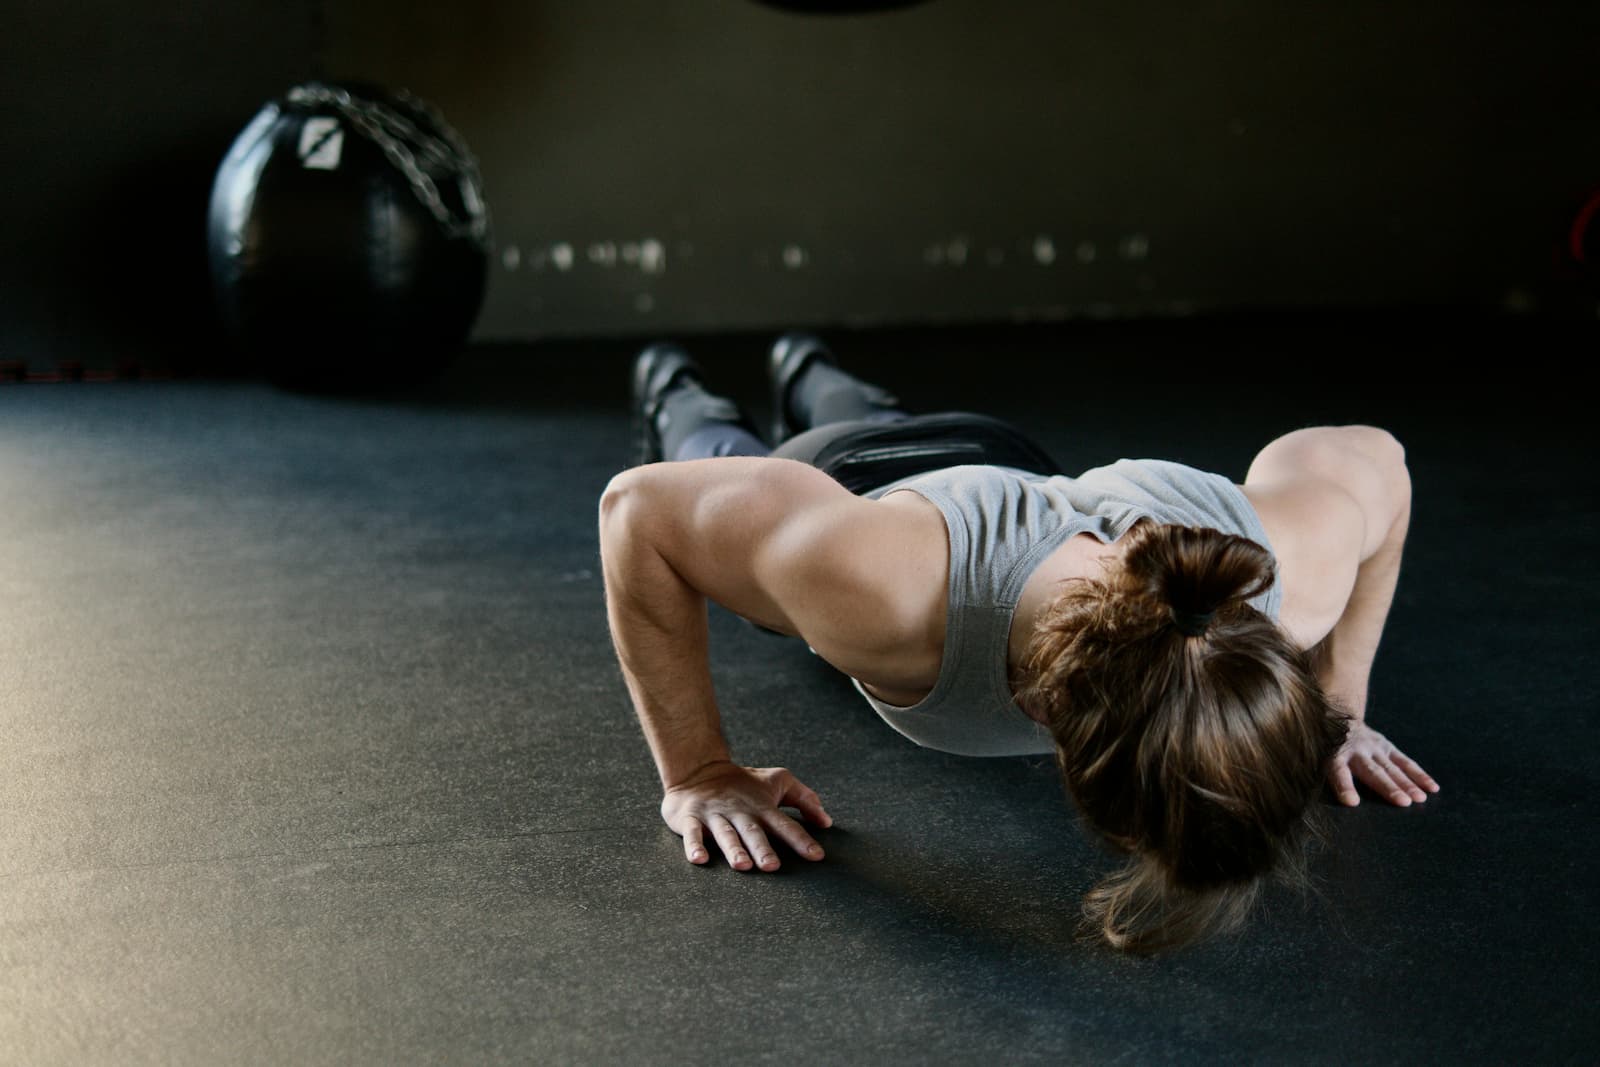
1195,653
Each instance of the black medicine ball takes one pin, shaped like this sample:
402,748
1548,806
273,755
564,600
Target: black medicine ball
348,238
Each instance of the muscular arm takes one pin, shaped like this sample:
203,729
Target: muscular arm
1342,499
775,541
658,626
1340,502
1346,655
672,536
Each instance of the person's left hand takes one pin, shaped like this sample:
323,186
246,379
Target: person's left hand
1382,767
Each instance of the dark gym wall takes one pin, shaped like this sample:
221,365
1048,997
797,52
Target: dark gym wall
116,114
717,163
713,163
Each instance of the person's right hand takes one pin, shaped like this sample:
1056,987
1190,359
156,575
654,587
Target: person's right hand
1382,767
739,806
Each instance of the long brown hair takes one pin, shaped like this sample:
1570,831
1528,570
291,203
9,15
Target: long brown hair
1191,733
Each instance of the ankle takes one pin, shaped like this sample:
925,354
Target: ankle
687,400
817,378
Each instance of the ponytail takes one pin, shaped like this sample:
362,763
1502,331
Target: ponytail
1191,733
1139,909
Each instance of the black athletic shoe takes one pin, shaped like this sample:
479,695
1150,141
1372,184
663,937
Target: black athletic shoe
789,355
656,371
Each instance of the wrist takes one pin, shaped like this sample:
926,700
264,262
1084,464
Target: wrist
682,772
1347,691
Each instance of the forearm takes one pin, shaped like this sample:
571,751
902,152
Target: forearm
658,627
1346,655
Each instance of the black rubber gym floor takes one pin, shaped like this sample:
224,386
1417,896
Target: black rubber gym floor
314,749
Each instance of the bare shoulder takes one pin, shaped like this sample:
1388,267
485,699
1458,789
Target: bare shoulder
1325,495
784,545
865,583
1314,529
1365,463
719,522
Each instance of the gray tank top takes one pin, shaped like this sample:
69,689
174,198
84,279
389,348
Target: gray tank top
1002,524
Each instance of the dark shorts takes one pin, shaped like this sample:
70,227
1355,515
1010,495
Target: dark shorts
865,455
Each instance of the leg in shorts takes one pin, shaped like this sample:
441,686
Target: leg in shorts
854,431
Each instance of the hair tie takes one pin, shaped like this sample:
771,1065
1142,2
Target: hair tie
1192,623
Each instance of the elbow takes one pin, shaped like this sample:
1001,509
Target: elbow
1387,456
614,500
631,514
619,506
1390,510
1401,476
1378,445
1390,457
625,492
1390,454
